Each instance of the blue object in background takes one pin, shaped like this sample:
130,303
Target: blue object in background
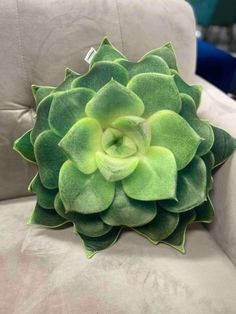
215,65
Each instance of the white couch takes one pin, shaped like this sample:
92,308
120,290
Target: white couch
46,271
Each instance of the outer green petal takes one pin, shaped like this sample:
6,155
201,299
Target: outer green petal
191,188
113,101
45,197
154,178
224,145
192,90
41,123
151,63
89,225
167,53
205,212
49,158
85,194
82,142
170,130
157,91
24,147
177,238
202,128
67,108
128,212
92,245
100,74
106,52
160,227
46,217
70,76
209,161
115,169
40,92
135,128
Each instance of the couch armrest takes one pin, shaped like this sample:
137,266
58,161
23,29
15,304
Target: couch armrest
220,110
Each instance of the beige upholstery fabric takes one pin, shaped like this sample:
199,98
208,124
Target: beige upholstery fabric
46,271
40,38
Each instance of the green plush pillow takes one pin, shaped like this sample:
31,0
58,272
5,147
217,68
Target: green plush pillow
122,146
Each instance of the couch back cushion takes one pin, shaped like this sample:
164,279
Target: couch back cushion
40,38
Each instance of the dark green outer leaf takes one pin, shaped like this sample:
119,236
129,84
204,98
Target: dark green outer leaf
204,212
40,92
24,147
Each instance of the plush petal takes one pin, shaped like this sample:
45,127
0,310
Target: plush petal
89,225
85,194
154,178
209,161
170,130
177,238
92,244
100,74
82,142
192,90
191,188
41,123
46,217
24,147
117,145
113,101
167,53
202,128
160,227
135,128
70,76
128,212
71,106
49,158
115,169
106,52
45,197
204,212
40,92
223,146
151,64
157,91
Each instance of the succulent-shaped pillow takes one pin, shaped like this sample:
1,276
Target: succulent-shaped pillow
122,146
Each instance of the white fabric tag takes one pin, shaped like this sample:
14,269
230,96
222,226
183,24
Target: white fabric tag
90,54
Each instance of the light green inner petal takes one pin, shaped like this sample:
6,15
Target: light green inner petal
128,212
155,176
150,64
40,92
157,91
202,128
46,217
90,225
170,130
106,52
192,90
167,53
67,108
49,158
224,145
205,212
85,194
41,123
45,197
24,147
100,74
191,187
115,169
117,145
135,128
82,142
177,238
160,227
113,101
